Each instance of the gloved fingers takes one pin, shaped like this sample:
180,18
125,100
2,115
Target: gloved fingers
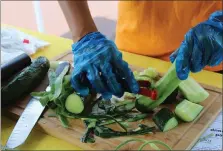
173,56
110,79
218,38
78,85
216,57
96,81
125,72
197,60
183,61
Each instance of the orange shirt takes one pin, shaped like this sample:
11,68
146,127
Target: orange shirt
157,28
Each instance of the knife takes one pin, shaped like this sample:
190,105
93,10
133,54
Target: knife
30,116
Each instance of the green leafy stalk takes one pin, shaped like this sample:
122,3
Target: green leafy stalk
52,78
88,136
64,121
120,124
58,84
39,94
106,132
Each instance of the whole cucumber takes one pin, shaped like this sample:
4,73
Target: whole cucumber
26,81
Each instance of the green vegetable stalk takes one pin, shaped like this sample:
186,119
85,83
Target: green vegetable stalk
165,86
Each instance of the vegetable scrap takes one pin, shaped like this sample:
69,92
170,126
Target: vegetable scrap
98,114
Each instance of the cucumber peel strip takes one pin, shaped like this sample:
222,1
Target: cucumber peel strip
153,142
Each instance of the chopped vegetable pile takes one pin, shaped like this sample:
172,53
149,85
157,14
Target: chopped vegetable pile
132,113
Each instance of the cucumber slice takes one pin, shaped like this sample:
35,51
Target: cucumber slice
170,124
150,72
188,111
165,119
142,104
192,91
74,104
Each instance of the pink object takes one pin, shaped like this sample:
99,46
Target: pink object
26,41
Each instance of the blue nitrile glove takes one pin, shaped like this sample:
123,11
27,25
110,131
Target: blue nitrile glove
202,46
98,62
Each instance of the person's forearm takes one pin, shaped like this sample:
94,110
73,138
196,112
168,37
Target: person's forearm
78,18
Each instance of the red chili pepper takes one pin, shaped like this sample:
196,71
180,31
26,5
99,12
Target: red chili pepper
26,41
143,83
145,92
154,95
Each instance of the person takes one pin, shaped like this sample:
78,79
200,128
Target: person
189,33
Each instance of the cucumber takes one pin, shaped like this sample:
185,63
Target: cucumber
172,98
188,111
165,86
142,104
150,72
74,104
165,120
192,91
25,81
145,78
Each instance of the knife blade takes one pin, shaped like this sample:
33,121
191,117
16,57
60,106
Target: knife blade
30,116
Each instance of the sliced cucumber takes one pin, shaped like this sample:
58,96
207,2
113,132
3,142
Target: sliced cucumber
142,103
165,119
145,78
192,91
150,72
170,124
74,104
188,111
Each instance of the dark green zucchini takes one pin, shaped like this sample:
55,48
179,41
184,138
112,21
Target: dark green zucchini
165,119
26,81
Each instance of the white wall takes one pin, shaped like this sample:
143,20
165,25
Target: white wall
21,14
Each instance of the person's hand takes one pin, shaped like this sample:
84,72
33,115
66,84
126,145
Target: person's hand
202,46
98,63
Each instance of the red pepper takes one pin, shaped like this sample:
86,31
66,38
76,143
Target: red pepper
154,95
143,83
145,92
26,41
